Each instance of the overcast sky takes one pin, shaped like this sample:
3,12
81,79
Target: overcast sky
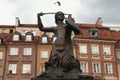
84,11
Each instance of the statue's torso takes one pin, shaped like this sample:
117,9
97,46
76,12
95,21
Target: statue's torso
63,36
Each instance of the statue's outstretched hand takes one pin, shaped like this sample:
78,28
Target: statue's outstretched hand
40,14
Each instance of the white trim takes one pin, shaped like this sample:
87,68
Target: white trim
13,51
83,48
96,66
12,68
84,67
44,54
27,51
15,37
1,55
94,48
106,49
110,68
26,69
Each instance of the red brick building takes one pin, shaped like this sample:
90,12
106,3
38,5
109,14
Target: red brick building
96,51
20,57
2,57
95,48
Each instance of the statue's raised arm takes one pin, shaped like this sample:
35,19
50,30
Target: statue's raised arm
72,25
40,25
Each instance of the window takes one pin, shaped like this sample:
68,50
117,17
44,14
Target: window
13,51
44,39
44,54
1,54
84,66
42,68
4,31
12,68
96,68
93,32
118,55
28,37
108,68
83,48
106,50
26,69
95,49
27,51
15,37
11,31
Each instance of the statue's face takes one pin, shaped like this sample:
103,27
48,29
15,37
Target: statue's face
59,16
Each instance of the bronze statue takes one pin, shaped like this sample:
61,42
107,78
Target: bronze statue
61,64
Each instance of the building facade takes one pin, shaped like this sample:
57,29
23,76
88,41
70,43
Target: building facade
26,51
7,28
96,52
2,58
117,50
24,28
20,57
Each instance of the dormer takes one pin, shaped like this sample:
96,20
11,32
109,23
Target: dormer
44,38
16,36
29,36
93,32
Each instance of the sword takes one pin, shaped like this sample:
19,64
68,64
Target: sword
55,13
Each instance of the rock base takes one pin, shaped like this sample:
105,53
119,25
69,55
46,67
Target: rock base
82,77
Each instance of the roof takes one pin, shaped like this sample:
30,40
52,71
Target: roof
90,25
28,25
7,26
103,32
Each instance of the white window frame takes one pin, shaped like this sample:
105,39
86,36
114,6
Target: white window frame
27,51
108,68
1,55
4,30
28,37
42,68
84,67
106,50
44,39
26,69
13,68
13,51
95,49
118,55
96,67
83,48
44,54
15,37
